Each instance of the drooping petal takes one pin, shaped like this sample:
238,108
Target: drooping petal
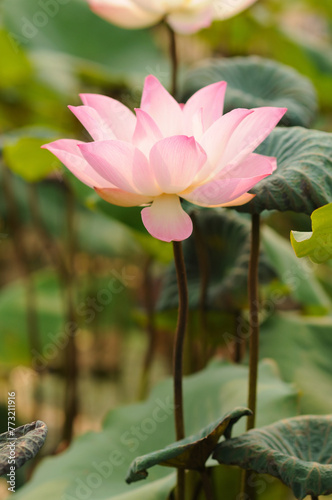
162,107
124,13
223,9
215,140
187,22
68,152
250,133
223,190
166,219
92,122
113,113
146,132
122,198
121,164
175,162
210,99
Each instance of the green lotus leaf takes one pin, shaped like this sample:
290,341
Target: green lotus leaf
253,82
303,179
302,283
297,450
189,453
318,243
22,444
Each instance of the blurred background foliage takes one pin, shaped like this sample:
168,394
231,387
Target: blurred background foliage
69,258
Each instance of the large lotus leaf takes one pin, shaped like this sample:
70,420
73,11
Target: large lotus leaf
303,179
189,453
302,347
96,463
225,238
297,450
266,33
254,82
296,275
19,445
318,243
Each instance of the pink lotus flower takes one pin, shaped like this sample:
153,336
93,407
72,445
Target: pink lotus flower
184,16
169,151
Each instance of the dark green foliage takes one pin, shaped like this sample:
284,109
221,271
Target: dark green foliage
189,453
254,82
296,450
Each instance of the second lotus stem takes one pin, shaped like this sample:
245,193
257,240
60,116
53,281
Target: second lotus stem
178,353
254,319
254,336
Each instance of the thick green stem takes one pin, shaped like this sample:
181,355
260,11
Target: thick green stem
178,352
207,485
179,337
254,319
254,337
174,61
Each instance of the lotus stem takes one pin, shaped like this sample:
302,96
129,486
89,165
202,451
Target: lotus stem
174,61
207,484
254,320
178,354
249,491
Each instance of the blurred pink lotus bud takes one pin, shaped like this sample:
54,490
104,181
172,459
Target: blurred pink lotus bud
184,16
